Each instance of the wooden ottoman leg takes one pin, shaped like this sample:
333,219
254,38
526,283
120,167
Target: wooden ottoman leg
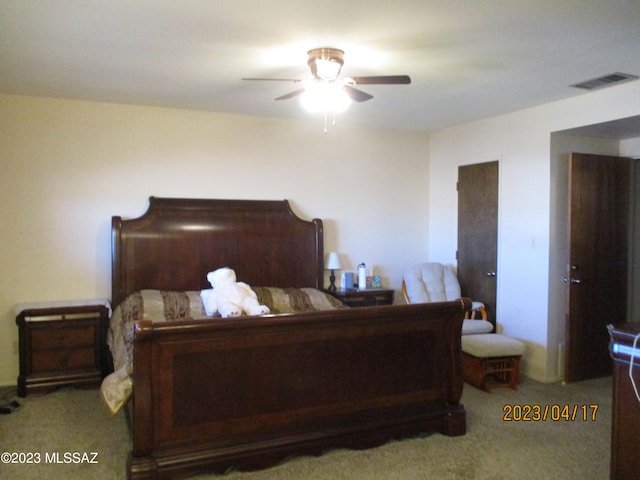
473,371
515,373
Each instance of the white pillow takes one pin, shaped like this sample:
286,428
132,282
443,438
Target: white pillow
475,327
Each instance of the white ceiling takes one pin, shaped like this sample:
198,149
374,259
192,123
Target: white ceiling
468,59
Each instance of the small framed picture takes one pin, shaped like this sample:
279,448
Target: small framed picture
374,282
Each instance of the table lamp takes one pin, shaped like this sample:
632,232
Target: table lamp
333,264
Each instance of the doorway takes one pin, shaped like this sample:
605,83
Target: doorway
596,277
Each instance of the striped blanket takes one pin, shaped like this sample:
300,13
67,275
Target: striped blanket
164,306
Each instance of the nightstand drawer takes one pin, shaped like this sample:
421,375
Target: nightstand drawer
63,359
369,298
63,337
364,298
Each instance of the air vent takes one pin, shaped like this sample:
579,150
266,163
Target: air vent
606,81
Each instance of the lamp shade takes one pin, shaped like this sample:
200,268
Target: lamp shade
333,262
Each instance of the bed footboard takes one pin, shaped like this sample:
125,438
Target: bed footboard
250,392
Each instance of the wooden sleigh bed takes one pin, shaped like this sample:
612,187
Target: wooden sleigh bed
248,392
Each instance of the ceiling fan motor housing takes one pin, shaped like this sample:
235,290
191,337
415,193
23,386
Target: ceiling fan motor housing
330,61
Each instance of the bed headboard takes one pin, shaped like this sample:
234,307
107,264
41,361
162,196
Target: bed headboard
177,241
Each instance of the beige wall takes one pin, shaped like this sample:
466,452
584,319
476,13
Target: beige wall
387,197
529,304
68,166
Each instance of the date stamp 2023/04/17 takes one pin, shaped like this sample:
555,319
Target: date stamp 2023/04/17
550,412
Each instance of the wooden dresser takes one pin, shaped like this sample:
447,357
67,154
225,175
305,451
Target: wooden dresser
62,345
625,460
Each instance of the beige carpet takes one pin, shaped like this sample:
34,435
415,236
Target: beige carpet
71,420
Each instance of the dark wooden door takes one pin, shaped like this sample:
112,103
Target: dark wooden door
478,233
599,193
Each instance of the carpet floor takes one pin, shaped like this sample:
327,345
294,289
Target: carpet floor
70,425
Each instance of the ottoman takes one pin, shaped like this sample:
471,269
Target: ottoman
491,360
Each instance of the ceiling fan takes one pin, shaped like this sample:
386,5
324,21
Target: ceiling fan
325,64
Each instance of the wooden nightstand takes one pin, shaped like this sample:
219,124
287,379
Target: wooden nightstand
62,345
364,298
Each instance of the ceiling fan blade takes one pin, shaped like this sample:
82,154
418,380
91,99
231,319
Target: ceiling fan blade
295,80
357,95
383,80
295,93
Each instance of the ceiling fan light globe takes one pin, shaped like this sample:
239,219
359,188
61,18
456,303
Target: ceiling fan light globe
325,97
340,100
311,101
